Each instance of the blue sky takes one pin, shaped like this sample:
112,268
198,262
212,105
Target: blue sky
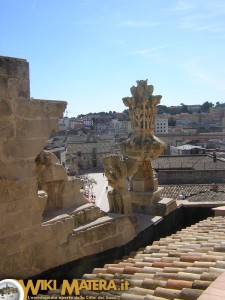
90,52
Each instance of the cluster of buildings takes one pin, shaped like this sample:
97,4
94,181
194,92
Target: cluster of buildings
82,142
195,121
8,290
192,121
108,125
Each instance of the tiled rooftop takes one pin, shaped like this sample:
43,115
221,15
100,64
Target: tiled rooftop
208,197
180,266
195,192
194,162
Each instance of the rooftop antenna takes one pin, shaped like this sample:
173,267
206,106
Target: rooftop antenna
67,113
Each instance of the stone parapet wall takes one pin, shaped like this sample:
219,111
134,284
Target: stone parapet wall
14,78
27,245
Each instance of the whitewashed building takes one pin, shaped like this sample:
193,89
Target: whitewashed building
161,126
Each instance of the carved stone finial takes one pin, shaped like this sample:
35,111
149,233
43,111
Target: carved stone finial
142,107
143,145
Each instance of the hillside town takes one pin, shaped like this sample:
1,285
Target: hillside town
81,142
105,199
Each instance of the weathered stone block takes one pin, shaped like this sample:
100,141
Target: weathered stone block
18,89
14,207
98,234
166,206
23,148
28,188
8,190
93,248
6,129
52,173
83,215
16,169
54,190
35,128
10,244
5,106
146,198
112,242
40,109
86,237
14,67
72,195
36,234
33,259
144,185
61,230
126,227
3,88
20,169
17,222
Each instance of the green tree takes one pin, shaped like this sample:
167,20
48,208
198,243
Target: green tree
184,108
171,121
162,109
206,106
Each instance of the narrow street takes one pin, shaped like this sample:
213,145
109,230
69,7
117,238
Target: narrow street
99,190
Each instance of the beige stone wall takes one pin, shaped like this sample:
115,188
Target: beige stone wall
27,245
102,148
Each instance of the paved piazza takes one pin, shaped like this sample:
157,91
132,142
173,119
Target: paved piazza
99,190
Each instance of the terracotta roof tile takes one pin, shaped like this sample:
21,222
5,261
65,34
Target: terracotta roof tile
172,269
167,293
152,259
152,297
190,258
190,294
188,276
170,259
203,264
114,270
99,270
220,264
178,284
126,296
153,283
143,275
196,270
164,275
209,276
200,284
151,270
135,282
142,264
142,291
181,266
131,270
195,192
161,264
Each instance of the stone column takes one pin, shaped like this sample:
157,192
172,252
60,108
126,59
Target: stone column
143,146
